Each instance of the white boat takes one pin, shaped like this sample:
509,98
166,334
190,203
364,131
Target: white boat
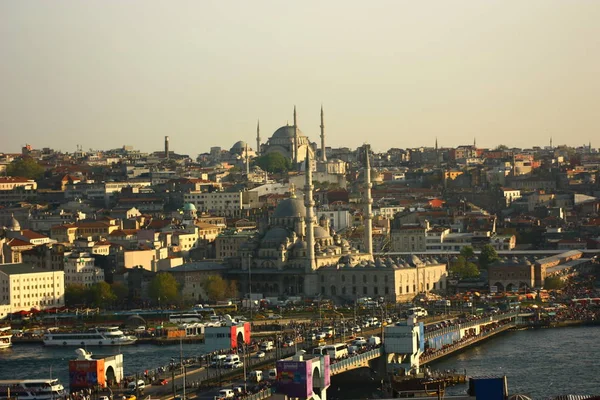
107,336
5,337
31,389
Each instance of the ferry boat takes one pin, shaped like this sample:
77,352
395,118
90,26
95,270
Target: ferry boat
100,336
5,337
31,389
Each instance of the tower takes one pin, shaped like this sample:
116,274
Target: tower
166,147
309,203
323,155
437,153
368,201
258,138
551,143
295,137
474,143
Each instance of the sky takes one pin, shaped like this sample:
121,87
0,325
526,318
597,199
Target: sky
103,74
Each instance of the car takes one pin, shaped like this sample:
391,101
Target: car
163,382
289,343
237,364
260,354
104,398
140,329
275,316
130,397
356,329
321,335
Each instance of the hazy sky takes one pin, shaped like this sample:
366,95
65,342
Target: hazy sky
392,73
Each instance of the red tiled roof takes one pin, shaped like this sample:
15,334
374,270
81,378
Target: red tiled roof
18,243
29,234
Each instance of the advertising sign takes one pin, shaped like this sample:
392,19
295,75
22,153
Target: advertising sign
247,332
493,289
233,334
326,371
86,374
294,378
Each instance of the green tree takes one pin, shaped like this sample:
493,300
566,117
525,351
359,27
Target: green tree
467,252
101,295
163,288
501,147
121,292
26,167
553,282
463,268
487,256
75,294
216,288
273,162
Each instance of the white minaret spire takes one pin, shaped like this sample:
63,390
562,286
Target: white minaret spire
309,203
323,155
296,157
368,201
258,137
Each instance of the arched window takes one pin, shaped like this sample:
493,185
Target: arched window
364,278
375,278
343,278
354,279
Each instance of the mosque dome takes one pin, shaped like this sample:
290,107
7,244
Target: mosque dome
286,132
276,235
238,147
321,233
189,207
290,208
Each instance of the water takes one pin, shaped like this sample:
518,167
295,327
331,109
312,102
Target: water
539,363
29,361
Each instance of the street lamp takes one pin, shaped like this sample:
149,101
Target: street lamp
250,302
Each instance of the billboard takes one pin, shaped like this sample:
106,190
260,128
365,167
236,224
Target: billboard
326,371
86,374
247,332
233,335
294,378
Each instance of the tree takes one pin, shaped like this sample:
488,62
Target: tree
501,147
273,162
232,289
101,295
75,294
26,167
467,252
121,292
163,288
463,268
215,288
553,282
487,256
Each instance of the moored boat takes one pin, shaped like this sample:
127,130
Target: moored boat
100,336
31,389
5,337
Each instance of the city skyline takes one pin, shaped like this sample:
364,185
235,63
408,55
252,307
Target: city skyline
392,73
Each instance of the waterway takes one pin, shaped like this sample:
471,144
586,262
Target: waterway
539,363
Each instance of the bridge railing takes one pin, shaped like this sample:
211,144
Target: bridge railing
470,324
263,394
357,359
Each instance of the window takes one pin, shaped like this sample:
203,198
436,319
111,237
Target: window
364,290
364,278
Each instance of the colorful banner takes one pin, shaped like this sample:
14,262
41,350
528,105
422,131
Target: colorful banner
86,373
294,378
247,332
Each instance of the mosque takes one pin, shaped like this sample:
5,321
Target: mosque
298,255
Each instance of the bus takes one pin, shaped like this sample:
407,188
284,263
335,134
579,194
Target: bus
191,316
337,351
320,351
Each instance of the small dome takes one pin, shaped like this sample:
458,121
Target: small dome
289,208
321,233
238,147
189,207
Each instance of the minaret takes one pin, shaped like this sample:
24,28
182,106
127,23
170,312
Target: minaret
295,137
368,201
258,138
247,162
323,155
437,153
474,142
551,143
309,203
166,147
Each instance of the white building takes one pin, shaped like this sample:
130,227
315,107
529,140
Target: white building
338,219
80,269
23,287
222,203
